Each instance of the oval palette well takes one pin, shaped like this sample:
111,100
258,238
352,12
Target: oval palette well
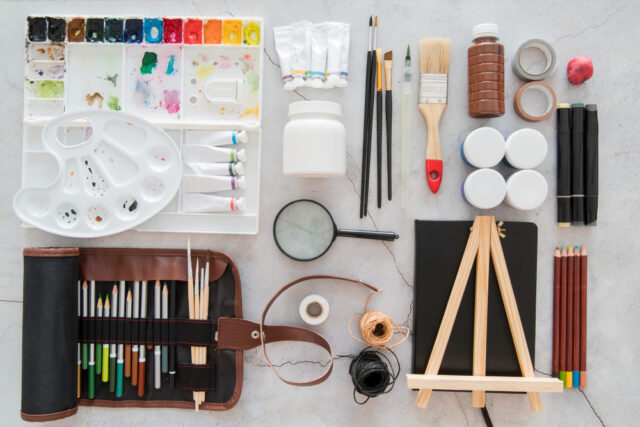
118,173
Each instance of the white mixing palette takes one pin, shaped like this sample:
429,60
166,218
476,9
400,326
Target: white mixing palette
114,174
194,83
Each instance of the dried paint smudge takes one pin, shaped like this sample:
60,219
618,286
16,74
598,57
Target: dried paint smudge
172,101
47,88
113,78
149,62
114,103
171,70
144,93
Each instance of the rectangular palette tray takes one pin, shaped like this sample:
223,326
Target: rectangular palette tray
188,73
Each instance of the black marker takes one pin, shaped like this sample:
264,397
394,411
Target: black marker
591,164
577,164
564,165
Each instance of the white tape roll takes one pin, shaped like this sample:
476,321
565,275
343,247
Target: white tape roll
314,309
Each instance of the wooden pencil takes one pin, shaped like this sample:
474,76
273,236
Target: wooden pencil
134,349
557,261
127,347
142,349
576,316
562,364
568,381
583,318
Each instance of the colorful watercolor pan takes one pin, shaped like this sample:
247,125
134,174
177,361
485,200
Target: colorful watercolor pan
179,73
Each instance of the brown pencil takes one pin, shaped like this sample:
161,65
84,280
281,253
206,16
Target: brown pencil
583,318
556,311
562,364
576,317
568,381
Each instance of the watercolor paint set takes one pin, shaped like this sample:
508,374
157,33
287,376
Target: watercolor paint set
197,78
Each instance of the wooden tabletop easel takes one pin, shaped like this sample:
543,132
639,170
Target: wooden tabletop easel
484,241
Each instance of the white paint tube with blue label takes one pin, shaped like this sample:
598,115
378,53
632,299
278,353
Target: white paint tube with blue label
215,138
200,203
334,53
206,154
212,184
282,39
307,50
318,54
219,169
344,56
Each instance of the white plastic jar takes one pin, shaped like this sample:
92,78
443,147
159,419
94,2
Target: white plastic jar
484,189
526,149
314,141
526,190
483,148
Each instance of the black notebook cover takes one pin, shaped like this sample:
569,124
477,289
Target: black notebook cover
439,249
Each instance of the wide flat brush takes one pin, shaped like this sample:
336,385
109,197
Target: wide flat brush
388,66
434,72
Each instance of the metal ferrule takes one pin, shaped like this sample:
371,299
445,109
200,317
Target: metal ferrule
433,89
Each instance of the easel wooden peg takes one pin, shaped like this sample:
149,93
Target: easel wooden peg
483,244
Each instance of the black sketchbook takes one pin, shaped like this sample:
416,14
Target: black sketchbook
439,249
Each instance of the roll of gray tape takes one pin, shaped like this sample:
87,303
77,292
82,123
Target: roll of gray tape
524,71
314,309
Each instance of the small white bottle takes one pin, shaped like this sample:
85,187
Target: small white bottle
314,140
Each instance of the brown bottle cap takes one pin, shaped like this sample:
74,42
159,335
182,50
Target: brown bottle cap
486,57
476,87
486,48
486,67
486,95
486,77
486,108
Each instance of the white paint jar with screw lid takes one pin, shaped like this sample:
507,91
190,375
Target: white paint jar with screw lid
484,189
525,149
314,141
526,190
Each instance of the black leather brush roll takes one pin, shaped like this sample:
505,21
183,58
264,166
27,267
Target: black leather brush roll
49,333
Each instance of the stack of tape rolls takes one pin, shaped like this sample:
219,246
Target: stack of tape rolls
527,72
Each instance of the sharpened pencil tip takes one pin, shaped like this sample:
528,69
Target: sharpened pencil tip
165,289
129,296
115,289
370,20
157,283
376,24
408,52
84,285
584,250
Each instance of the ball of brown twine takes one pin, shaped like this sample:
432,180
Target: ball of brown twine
377,329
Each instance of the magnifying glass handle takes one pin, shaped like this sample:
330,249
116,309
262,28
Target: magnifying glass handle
377,235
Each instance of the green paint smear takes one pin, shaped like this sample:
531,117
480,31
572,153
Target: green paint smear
170,69
149,62
254,81
114,103
48,88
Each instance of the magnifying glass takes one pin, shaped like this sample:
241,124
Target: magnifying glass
304,230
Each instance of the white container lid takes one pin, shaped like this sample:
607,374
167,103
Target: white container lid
526,148
486,30
526,190
322,107
484,147
484,188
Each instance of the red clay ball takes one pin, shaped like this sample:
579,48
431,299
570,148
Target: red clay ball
579,69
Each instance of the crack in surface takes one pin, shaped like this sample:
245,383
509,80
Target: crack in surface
273,62
590,27
591,406
301,362
395,261
461,408
11,300
193,2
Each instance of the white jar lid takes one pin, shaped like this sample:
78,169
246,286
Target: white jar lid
526,148
483,147
526,190
485,30
323,107
484,188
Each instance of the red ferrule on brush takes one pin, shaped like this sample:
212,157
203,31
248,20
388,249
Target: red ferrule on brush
434,174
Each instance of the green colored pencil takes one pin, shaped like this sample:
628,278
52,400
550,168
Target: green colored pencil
92,347
120,362
113,349
105,343
98,345
85,314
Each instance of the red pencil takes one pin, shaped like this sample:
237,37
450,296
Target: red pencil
569,342
583,318
556,311
562,365
576,317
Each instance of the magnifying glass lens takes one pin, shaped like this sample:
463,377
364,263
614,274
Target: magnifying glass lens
304,230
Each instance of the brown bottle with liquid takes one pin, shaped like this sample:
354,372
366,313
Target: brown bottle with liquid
486,73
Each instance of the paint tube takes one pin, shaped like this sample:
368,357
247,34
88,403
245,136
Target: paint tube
206,154
282,38
334,54
212,184
209,203
344,57
220,169
298,60
318,55
216,138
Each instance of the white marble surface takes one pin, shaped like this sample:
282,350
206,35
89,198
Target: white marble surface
605,30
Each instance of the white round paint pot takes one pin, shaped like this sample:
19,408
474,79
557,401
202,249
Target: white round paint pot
484,189
483,148
525,149
526,190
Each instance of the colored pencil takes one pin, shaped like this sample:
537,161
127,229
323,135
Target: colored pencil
196,315
568,381
91,386
205,316
172,348
165,316
105,341
120,360
557,261
127,347
583,318
79,373
576,316
99,336
141,348
157,351
85,314
134,347
114,336
562,364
